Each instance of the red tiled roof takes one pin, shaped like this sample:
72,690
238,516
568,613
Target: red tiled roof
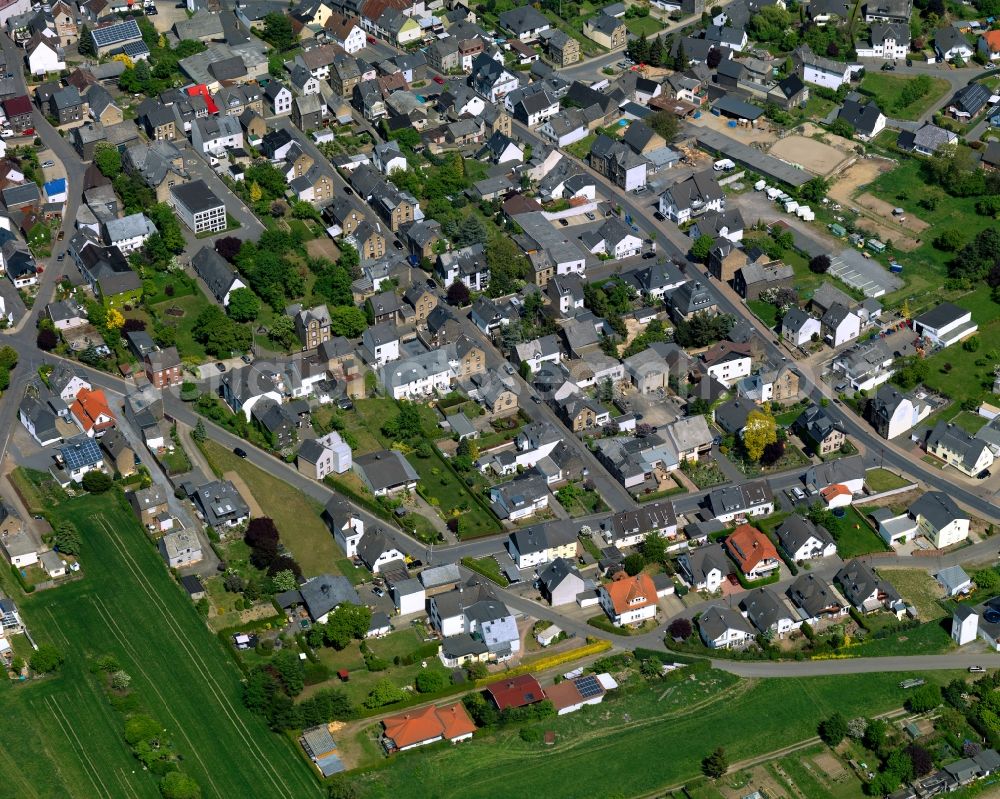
749,546
201,90
428,724
992,40
564,694
516,692
17,105
89,407
831,492
632,593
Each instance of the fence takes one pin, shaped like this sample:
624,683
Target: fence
890,493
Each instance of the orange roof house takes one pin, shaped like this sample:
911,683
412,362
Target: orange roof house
515,692
991,40
426,726
629,600
91,412
753,551
837,495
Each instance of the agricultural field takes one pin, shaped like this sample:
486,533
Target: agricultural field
128,606
296,515
616,748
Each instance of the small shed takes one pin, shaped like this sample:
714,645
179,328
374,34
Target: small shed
954,580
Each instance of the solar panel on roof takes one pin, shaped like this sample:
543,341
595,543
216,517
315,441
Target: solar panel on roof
113,34
588,686
135,49
82,455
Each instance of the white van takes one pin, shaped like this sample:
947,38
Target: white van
723,164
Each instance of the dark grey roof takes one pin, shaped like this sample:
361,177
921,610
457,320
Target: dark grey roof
523,19
214,270
764,608
558,570
957,440
196,196
813,594
386,469
796,531
717,620
862,118
322,594
938,508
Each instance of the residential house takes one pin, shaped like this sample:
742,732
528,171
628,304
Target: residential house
988,45
323,594
275,422
839,325
76,457
158,164
803,540
723,628
958,449
732,503
613,238
66,105
467,265
347,526
526,23
821,71
691,197
864,589
563,50
128,233
377,551
106,270
939,519
887,41
630,528
821,434
769,613
220,278
245,387
381,344
150,506
91,412
753,552
969,101
426,726
220,504
799,328
848,472
618,163
630,600
386,472
180,549
950,44
607,31
520,498
44,55
280,97
163,367
893,413
727,362
102,107
216,134
67,382
705,567
752,280
308,112
560,582
473,609
867,120
927,140
318,457
815,599
542,543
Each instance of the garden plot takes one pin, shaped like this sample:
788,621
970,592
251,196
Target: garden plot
816,157
857,176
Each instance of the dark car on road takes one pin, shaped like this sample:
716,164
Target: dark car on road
239,452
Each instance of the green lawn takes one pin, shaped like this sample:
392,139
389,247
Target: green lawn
919,588
638,26
617,748
879,480
581,149
812,781
62,738
191,306
856,537
704,474
887,90
765,311
964,375
488,567
932,638
970,422
295,515
925,267
183,286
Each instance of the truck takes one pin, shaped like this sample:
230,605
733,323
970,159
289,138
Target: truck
724,164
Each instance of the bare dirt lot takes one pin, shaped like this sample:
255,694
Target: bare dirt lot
812,155
858,174
762,133
830,766
884,209
322,248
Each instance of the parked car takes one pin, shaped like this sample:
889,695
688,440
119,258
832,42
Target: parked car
439,80
590,216
247,359
977,669
647,255
563,222
48,164
62,235
239,452
220,366
60,256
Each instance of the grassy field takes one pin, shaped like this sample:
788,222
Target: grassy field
905,186
581,149
488,567
879,480
856,537
887,91
804,770
296,516
617,748
970,422
638,26
919,588
191,305
964,375
765,311
66,740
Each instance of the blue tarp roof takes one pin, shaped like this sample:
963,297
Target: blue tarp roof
55,187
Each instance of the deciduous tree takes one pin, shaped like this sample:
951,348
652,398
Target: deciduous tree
760,431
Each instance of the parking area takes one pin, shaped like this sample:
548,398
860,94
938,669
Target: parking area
653,409
865,274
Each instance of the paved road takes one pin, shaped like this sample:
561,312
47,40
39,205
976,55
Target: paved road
814,668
